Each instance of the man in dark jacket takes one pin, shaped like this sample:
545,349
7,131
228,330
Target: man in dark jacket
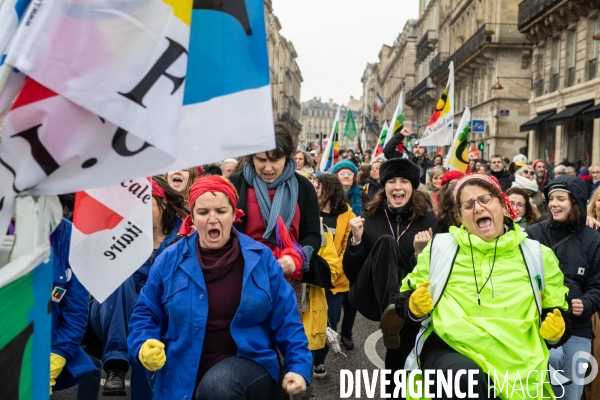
498,171
395,149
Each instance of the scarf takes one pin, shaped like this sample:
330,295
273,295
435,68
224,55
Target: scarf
284,202
355,198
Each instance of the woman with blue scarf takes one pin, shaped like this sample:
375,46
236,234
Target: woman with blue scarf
268,187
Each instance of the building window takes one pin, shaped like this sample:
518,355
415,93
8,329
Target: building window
546,142
580,141
592,51
555,64
571,57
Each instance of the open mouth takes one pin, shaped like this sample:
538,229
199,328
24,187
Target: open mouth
556,212
484,223
177,180
398,198
214,234
268,177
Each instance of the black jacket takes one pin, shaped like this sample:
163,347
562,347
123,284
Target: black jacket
377,226
372,188
504,177
579,257
310,234
390,152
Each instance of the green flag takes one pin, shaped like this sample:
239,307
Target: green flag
350,128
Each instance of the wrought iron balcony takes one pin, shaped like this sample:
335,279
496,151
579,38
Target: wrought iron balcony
421,88
425,42
437,61
489,33
532,9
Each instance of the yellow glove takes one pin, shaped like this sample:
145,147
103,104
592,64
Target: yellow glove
57,363
152,354
421,303
553,326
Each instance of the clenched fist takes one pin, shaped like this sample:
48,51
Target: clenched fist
357,226
421,240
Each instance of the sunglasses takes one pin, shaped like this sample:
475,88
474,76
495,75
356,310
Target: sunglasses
346,174
528,172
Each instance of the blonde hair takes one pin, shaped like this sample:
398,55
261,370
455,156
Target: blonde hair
591,209
435,172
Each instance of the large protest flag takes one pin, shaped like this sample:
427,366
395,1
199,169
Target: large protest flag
440,127
330,154
381,140
458,155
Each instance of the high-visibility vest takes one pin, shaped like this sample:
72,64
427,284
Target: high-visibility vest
443,253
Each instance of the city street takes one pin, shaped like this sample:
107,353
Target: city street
368,354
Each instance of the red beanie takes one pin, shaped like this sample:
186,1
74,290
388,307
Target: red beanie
452,174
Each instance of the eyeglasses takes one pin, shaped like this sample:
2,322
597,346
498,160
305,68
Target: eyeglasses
528,172
483,200
346,174
517,204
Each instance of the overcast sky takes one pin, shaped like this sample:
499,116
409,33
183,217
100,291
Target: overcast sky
336,38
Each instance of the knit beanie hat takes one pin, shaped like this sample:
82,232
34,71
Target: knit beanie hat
399,168
345,164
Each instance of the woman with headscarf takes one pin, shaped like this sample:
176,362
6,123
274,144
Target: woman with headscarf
109,320
381,248
182,180
577,247
485,299
213,306
268,187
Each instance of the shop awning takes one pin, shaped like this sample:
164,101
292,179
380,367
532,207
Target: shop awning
591,113
565,117
532,124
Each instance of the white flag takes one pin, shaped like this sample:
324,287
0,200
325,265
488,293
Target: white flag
112,235
439,130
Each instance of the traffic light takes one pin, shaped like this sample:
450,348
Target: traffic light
480,147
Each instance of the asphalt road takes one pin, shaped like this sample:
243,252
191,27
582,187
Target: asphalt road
361,357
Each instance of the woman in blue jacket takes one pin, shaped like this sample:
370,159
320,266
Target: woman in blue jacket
68,362
215,307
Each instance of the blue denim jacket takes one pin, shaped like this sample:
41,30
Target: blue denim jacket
173,308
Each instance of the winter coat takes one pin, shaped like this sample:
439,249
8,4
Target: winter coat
371,187
579,257
377,226
173,309
310,234
495,334
504,177
70,313
141,275
342,234
315,317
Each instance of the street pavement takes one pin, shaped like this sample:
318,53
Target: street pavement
362,357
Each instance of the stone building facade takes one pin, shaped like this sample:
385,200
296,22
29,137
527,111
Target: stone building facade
286,79
564,120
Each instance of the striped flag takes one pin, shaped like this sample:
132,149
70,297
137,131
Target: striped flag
330,154
397,121
458,156
440,127
381,141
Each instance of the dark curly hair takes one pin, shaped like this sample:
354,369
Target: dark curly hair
172,207
419,202
446,215
331,191
530,214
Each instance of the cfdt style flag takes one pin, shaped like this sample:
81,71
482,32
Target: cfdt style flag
112,234
350,126
397,121
330,154
440,127
378,152
458,156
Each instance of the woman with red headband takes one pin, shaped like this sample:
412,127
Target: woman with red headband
213,307
109,320
486,299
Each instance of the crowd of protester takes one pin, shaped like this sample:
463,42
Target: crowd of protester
255,258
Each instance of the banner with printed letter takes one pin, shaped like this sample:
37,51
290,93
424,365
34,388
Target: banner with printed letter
112,234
